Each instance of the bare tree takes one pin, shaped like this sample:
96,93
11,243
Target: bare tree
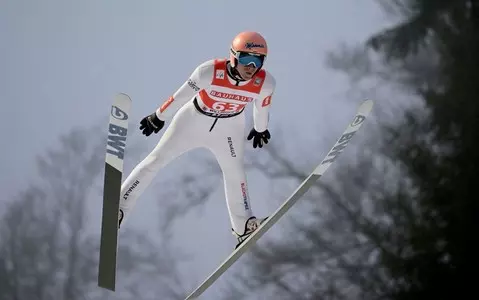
48,250
354,226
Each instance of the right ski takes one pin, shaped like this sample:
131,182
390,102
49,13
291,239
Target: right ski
115,152
361,115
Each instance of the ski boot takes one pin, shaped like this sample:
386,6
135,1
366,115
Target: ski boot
251,225
120,217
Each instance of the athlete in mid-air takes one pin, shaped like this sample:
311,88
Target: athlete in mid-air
207,111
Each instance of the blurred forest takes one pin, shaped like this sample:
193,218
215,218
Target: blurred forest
395,218
398,219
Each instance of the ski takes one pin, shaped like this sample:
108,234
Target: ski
115,153
361,115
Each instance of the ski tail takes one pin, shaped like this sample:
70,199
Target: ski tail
115,153
341,143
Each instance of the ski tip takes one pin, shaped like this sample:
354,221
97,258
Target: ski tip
124,97
366,107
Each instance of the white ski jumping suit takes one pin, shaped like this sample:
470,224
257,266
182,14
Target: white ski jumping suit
207,111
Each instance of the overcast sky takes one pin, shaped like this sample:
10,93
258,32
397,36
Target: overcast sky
61,63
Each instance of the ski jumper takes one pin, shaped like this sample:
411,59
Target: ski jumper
207,111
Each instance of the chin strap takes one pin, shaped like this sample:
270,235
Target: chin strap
233,72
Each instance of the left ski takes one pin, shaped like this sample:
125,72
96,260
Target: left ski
361,115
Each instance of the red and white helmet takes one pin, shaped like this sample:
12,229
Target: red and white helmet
248,47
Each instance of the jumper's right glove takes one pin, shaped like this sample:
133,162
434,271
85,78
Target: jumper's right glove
150,124
259,137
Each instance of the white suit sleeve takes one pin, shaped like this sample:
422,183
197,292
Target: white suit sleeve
263,104
199,79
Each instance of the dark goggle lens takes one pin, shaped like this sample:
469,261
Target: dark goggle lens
251,59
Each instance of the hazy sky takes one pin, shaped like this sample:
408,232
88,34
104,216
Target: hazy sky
61,63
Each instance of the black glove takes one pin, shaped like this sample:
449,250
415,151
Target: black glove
150,124
259,137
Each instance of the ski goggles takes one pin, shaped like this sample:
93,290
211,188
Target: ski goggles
247,59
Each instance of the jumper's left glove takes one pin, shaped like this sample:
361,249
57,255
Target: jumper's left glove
259,137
